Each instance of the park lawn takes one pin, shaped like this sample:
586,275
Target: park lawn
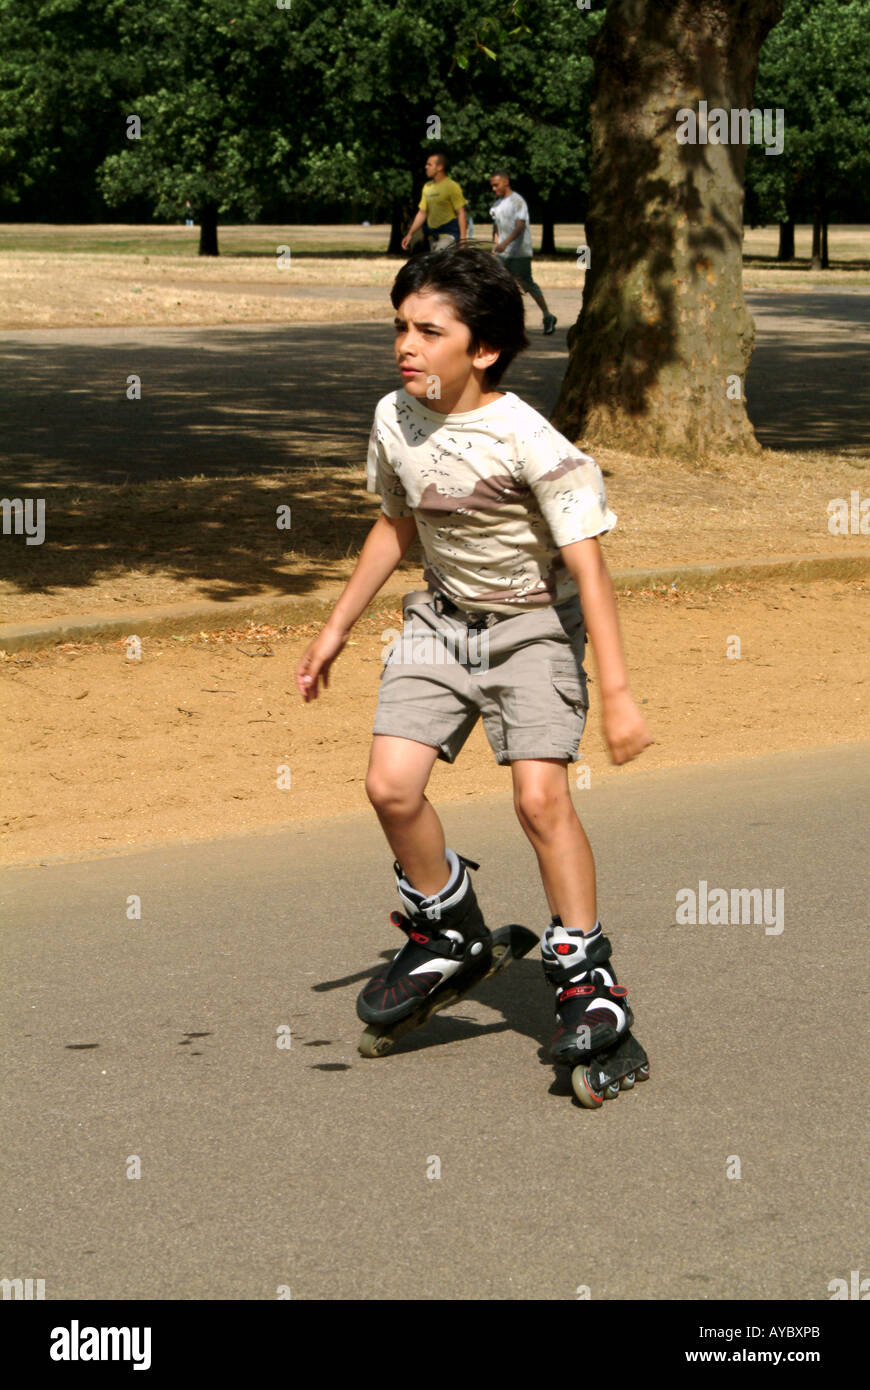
63,277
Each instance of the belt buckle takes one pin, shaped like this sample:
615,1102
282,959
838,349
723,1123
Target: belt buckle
481,620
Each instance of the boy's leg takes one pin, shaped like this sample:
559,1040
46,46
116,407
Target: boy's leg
544,808
398,771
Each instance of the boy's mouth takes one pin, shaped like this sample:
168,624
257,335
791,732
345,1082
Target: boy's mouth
410,371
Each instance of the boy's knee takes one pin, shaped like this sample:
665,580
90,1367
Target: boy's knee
539,808
391,797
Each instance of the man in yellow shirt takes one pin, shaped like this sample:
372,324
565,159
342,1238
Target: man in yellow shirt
442,207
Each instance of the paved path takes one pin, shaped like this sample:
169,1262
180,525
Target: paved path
226,400
308,1167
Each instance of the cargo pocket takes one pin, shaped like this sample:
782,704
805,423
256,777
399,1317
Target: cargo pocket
568,684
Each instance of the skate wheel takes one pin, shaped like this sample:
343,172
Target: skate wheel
643,1072
627,1082
611,1090
584,1090
374,1043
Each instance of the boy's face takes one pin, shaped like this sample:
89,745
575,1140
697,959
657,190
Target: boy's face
432,349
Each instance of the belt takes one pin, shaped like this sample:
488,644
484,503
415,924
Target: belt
442,604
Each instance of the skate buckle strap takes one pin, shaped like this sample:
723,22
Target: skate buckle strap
618,991
436,946
559,974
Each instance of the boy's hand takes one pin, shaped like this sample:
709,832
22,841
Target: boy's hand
317,661
625,728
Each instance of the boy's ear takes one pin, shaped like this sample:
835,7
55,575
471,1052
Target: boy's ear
485,357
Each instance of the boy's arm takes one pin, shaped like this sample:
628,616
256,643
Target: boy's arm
384,548
624,726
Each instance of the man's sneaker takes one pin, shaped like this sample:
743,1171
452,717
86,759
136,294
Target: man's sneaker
549,323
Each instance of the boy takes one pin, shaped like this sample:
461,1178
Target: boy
508,512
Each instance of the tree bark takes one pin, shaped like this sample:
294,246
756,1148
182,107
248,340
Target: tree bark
786,241
816,254
664,337
548,232
825,261
208,230
396,229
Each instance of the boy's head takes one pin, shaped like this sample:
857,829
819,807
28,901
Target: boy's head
458,312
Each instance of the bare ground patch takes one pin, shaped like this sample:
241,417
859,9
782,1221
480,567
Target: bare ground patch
108,753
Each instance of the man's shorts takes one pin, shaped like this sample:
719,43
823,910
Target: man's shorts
521,269
522,674
438,235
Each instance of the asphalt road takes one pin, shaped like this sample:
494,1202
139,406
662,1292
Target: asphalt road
308,1167
221,401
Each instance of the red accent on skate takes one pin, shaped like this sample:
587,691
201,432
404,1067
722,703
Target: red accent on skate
419,937
575,990
619,991
396,919
599,1016
563,949
596,1096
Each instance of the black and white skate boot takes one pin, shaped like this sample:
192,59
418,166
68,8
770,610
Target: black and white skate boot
592,1009
448,940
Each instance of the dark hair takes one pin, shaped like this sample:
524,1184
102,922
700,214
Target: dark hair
441,157
484,294
500,174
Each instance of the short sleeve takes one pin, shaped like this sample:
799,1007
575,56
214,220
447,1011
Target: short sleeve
521,209
457,199
381,478
568,487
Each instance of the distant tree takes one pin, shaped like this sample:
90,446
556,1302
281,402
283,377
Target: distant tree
529,108
218,121
815,65
401,81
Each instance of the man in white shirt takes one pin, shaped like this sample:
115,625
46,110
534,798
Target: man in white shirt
512,240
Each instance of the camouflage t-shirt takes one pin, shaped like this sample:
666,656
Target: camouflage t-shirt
495,492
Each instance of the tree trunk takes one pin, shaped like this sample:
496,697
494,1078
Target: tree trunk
548,232
825,261
664,337
816,254
786,241
396,229
208,230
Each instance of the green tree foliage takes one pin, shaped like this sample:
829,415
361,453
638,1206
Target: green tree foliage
212,99
62,74
243,101
815,65
506,87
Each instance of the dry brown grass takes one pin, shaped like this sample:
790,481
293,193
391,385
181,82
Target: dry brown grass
57,278
120,548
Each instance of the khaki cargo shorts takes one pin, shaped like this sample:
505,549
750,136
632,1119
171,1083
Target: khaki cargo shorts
522,674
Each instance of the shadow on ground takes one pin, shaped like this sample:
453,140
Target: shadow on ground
272,416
